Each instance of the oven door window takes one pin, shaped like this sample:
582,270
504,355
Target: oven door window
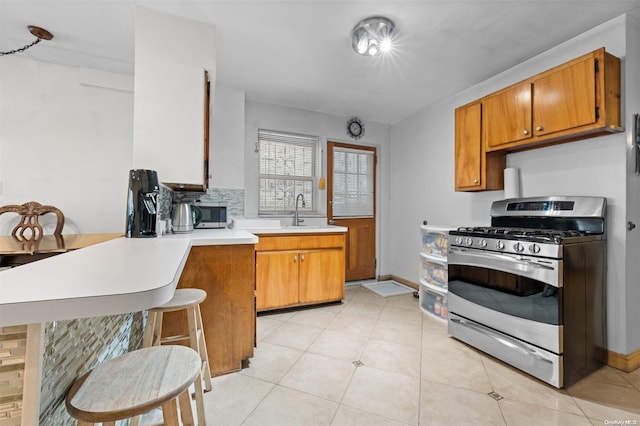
507,293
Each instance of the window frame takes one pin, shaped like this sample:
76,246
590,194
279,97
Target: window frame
294,139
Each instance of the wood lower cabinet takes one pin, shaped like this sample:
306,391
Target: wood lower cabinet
321,276
226,273
299,270
276,279
475,170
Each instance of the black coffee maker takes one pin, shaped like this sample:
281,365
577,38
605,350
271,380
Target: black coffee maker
142,203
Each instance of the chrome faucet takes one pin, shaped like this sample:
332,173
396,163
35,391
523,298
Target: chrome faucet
297,221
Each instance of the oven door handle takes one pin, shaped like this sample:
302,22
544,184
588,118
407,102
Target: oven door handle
547,272
506,341
537,265
518,260
509,258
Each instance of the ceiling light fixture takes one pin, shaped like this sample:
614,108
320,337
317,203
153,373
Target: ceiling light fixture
40,33
372,36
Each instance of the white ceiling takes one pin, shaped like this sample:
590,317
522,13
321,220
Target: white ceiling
298,53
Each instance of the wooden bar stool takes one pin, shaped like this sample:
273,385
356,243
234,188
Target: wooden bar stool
135,383
188,299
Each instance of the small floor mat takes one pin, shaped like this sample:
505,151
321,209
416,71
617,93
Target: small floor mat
388,288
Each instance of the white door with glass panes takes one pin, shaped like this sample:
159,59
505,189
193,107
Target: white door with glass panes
351,203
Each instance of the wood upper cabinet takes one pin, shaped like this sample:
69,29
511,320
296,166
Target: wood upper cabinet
566,98
507,116
299,270
468,146
474,169
575,100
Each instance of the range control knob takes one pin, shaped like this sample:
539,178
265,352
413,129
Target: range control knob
500,245
517,247
458,240
468,241
483,243
534,248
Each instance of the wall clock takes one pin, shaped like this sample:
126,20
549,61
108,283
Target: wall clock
355,128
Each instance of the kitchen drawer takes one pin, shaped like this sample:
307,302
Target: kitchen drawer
434,273
433,303
269,242
434,242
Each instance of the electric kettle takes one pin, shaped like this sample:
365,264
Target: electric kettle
185,217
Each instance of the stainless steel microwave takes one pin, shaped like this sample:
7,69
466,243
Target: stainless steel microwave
210,215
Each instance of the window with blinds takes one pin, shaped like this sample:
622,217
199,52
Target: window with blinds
287,168
353,185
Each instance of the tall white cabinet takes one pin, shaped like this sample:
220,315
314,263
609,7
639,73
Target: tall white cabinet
171,102
433,270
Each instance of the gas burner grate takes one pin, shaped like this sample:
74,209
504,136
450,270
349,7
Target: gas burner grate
525,233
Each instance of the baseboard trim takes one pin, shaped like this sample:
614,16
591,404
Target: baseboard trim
402,281
626,363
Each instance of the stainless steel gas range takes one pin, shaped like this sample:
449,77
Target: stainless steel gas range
530,289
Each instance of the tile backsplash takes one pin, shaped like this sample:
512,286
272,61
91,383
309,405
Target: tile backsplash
233,199
164,203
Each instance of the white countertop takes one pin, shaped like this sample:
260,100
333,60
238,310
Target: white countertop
115,277
303,229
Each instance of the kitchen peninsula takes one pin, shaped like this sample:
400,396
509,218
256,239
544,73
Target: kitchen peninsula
120,276
85,306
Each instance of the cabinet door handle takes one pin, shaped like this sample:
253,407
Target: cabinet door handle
302,258
475,181
525,132
295,258
539,128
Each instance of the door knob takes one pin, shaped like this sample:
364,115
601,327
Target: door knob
630,226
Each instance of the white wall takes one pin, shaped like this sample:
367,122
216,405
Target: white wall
422,166
226,153
327,127
65,140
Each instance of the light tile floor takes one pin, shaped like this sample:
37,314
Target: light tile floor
411,373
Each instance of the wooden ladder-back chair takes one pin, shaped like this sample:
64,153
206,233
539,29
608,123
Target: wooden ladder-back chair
29,228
